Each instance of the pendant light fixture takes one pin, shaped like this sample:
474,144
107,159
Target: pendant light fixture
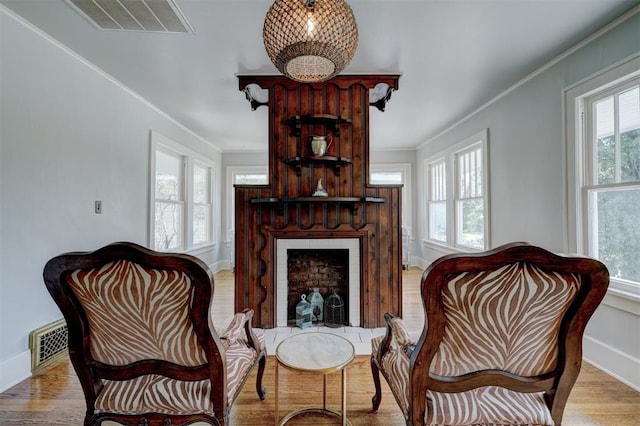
310,40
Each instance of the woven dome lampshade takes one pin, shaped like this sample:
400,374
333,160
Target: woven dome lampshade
310,40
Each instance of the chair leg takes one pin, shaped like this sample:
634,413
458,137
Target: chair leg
262,392
375,372
222,420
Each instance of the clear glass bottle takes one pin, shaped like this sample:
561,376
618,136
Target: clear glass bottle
317,304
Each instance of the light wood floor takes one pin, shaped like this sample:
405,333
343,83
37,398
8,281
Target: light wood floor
54,396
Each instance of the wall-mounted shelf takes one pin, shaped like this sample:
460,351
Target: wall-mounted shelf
351,202
332,122
335,162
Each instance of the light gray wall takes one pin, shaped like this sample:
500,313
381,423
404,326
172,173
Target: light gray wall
69,136
400,156
526,143
527,185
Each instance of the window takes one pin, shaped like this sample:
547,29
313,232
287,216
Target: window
437,201
181,205
169,200
469,198
386,177
255,178
458,213
202,207
611,188
395,174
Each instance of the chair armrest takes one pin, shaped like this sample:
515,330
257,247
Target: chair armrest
251,336
239,329
396,331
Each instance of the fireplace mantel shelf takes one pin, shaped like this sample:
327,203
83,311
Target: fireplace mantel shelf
351,202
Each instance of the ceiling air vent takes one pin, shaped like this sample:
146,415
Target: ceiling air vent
134,15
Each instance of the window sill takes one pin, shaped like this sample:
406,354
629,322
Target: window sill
197,250
624,296
439,247
446,249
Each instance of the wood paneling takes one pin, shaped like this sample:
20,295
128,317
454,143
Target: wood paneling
377,225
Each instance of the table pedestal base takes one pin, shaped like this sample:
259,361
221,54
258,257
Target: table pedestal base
318,411
300,353
324,410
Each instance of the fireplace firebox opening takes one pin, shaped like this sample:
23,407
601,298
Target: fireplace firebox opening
309,269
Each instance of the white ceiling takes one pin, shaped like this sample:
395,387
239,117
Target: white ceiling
454,56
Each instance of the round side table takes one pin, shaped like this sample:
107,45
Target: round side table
320,353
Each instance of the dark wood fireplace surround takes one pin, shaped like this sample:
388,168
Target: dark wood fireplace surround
286,208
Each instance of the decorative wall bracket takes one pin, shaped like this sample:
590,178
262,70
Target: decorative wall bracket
256,96
380,95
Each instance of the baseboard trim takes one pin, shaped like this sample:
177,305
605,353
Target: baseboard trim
14,370
220,265
610,360
419,262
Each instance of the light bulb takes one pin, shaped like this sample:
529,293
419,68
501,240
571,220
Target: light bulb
310,25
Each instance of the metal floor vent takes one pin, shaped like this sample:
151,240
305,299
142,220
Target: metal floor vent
48,344
134,15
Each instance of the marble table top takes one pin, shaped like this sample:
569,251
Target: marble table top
315,352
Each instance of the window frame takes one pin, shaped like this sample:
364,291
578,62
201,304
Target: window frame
579,167
585,110
591,187
197,162
160,143
460,198
450,156
181,195
440,163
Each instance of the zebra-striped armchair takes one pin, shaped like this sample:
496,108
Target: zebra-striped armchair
502,341
142,340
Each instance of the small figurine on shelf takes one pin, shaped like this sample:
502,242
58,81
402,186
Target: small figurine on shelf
320,191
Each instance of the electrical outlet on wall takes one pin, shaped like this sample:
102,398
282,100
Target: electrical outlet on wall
98,207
